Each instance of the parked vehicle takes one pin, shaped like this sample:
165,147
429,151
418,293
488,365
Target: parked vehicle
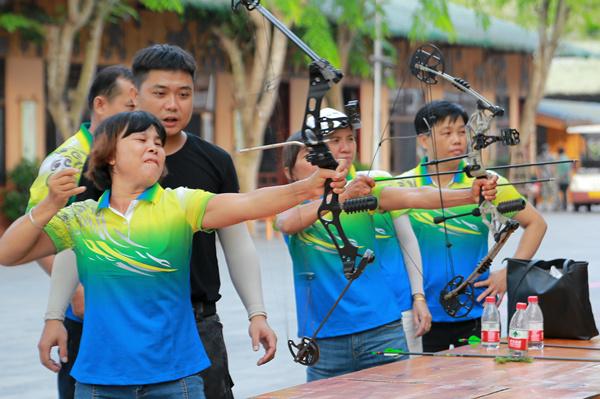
585,188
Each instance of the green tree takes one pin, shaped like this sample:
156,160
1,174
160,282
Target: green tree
553,20
256,52
59,31
338,30
16,197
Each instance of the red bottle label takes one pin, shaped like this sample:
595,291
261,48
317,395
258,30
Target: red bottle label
536,335
518,340
490,336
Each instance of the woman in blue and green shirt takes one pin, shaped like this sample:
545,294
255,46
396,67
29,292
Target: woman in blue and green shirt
369,317
133,249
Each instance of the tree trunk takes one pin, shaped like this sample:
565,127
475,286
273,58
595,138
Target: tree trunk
78,96
345,39
550,29
255,92
60,39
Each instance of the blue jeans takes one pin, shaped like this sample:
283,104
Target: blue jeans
353,352
190,387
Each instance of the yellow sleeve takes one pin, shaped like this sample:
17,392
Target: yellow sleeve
58,229
194,203
506,193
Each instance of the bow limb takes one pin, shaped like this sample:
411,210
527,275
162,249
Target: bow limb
485,263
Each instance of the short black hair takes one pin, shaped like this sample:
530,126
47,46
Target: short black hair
108,133
166,57
437,111
105,83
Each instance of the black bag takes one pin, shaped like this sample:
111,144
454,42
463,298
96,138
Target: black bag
565,301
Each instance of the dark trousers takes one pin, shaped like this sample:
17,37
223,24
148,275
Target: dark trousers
442,335
66,383
217,381
563,189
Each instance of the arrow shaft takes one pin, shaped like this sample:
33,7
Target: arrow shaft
483,356
589,348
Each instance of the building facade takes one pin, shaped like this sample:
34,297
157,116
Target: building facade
26,129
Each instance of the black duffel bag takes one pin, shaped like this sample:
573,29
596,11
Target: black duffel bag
565,300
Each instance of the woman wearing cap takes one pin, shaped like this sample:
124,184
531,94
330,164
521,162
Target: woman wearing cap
133,248
369,317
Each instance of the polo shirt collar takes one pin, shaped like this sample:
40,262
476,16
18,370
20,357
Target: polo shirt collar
151,194
458,177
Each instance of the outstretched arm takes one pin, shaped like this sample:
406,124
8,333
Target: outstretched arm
301,217
229,209
244,270
429,198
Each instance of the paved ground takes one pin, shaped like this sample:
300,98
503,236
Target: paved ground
23,293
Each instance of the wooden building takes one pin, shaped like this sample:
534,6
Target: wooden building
495,61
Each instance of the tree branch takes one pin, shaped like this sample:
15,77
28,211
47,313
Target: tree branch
79,95
236,60
260,66
79,16
264,108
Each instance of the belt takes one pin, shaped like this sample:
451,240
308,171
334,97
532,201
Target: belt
204,309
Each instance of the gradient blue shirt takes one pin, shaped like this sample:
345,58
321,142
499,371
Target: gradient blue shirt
139,326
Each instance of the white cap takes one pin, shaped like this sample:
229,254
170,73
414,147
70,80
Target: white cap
331,119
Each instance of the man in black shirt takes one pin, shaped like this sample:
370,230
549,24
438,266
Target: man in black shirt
164,76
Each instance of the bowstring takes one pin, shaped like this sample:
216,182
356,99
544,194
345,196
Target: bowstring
288,275
386,128
449,259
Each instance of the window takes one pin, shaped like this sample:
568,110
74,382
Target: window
404,104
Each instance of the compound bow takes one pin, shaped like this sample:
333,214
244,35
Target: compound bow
427,64
322,76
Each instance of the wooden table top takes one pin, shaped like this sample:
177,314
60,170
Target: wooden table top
443,377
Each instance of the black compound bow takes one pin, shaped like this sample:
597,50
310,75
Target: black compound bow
322,76
427,65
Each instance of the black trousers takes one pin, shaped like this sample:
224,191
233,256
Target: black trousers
217,381
442,335
66,383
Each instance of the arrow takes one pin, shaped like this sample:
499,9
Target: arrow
498,359
474,340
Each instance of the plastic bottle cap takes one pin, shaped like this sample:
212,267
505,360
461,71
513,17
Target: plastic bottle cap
490,299
532,299
521,306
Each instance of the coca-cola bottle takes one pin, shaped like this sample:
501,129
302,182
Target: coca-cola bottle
518,332
535,320
490,324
